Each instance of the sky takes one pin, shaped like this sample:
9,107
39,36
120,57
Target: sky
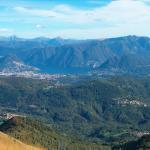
76,19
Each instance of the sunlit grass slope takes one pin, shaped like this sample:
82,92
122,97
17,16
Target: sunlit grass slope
9,143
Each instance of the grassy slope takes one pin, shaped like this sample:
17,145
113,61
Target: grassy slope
36,133
9,143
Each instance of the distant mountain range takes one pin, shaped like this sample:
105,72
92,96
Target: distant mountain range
130,54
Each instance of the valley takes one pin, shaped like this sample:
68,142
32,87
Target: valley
107,111
105,106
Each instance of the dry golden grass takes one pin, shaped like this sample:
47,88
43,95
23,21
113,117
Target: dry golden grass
9,143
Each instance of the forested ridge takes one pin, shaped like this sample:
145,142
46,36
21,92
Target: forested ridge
101,110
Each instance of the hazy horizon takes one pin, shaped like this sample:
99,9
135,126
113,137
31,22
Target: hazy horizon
58,37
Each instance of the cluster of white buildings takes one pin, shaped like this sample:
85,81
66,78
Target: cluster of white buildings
8,115
31,74
129,101
140,133
132,102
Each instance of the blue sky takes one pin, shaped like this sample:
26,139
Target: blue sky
80,19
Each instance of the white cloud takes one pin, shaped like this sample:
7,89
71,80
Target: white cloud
116,18
39,26
37,12
119,11
4,30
